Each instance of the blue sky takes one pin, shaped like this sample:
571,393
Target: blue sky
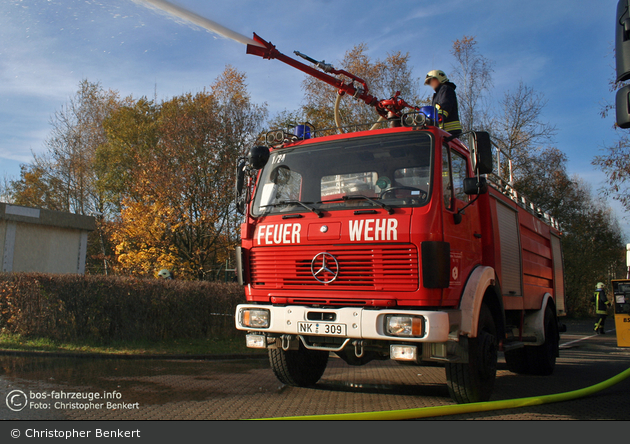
561,48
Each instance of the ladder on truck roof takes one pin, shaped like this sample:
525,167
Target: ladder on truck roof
507,189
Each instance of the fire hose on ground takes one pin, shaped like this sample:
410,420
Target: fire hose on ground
447,410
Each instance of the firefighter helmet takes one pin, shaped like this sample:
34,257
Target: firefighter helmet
436,74
600,285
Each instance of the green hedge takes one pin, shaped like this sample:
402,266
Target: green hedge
110,308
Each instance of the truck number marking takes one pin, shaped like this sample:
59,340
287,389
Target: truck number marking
373,229
279,234
278,159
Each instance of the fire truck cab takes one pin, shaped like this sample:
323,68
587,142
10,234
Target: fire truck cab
395,243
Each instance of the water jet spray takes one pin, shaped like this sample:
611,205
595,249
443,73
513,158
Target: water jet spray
388,109
196,19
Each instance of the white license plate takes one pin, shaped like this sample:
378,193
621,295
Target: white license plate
321,328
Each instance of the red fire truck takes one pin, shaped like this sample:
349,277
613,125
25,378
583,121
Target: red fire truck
394,243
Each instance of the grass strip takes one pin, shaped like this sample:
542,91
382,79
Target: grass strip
207,346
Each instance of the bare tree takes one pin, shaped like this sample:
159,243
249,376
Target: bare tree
77,133
472,74
518,129
615,163
63,177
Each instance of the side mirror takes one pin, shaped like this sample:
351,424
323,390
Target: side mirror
622,107
258,157
241,170
482,149
240,176
473,186
622,41
622,56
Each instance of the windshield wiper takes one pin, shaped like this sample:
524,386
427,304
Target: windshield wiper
387,208
294,202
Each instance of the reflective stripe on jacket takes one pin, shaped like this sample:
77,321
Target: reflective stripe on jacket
601,301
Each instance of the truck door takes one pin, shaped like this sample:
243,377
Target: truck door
464,236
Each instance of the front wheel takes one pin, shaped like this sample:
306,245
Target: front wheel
298,368
474,381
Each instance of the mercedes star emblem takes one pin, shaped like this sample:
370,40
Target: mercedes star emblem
324,264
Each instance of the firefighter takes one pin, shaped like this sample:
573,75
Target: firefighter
601,307
445,100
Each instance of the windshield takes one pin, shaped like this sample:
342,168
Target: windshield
379,171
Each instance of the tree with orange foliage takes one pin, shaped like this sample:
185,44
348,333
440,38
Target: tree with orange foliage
177,178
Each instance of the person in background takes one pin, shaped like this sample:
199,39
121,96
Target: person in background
601,307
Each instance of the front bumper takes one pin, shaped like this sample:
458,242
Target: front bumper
360,323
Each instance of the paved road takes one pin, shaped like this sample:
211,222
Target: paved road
239,389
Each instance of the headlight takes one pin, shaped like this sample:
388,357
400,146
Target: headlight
255,317
400,325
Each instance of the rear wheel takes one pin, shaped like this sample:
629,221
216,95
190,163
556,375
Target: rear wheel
542,358
298,368
474,381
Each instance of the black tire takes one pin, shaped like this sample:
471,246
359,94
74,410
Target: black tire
541,359
298,368
474,381
517,360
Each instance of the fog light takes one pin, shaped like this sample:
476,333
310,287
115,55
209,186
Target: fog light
403,352
255,317
256,341
399,325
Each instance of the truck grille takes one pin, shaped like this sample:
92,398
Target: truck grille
370,267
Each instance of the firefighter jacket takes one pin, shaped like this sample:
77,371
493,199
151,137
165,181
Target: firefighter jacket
445,100
601,302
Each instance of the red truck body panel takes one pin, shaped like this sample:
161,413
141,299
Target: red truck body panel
525,266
